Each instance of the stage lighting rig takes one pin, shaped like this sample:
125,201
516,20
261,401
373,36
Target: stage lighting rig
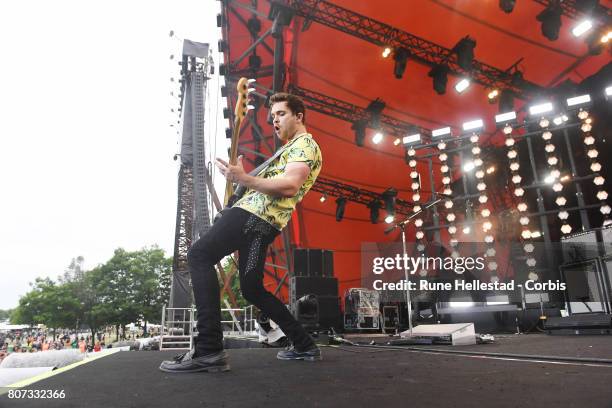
401,59
465,52
439,73
550,18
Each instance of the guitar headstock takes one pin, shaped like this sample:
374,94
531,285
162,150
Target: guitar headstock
242,106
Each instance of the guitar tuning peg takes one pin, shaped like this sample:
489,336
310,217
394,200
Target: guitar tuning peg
250,107
250,90
250,81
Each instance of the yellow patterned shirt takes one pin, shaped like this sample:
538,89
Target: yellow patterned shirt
277,210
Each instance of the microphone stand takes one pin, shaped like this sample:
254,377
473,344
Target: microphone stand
402,226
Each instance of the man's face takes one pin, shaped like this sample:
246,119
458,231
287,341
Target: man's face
285,123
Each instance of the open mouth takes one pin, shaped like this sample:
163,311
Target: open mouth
277,129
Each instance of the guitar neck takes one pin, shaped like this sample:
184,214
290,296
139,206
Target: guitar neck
229,186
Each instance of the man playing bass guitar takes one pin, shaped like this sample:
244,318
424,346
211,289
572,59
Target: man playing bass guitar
250,226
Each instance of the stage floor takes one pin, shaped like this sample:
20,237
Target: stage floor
350,376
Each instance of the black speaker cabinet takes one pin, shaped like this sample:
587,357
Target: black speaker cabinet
302,285
313,262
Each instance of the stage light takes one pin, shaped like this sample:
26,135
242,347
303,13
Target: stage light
595,167
420,235
466,230
514,166
452,229
478,162
536,234
609,91
401,59
605,209
602,195
375,109
553,161
564,178
492,266
359,127
491,170
544,123
522,207
418,222
516,179
505,117
519,192
479,174
561,201
549,148
593,153
486,226
551,21
389,197
465,52
586,127
441,146
483,199
524,220
529,247
448,204
340,206
397,141
558,120
582,28
491,252
377,138
531,262
439,74
374,207
566,228
389,219
541,108
414,174
526,234
489,239
475,150
492,95
386,52
512,154
481,187
412,139
473,125
441,132
451,217
599,181
323,198
462,85
507,5
564,215
469,166
547,135
579,100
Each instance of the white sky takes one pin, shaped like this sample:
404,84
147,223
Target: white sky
85,140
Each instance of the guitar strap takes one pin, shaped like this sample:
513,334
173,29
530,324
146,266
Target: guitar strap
240,190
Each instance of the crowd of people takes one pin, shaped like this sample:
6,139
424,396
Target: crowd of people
33,342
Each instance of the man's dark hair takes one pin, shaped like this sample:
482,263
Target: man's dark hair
294,103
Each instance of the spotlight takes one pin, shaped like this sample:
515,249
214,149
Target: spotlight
469,166
506,101
507,5
377,138
609,92
323,198
375,108
582,28
579,100
389,197
389,219
465,52
551,21
360,130
411,139
441,132
473,125
340,206
374,207
386,52
462,85
401,58
541,108
505,117
439,73
492,95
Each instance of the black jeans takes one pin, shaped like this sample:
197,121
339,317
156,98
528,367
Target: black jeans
238,230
